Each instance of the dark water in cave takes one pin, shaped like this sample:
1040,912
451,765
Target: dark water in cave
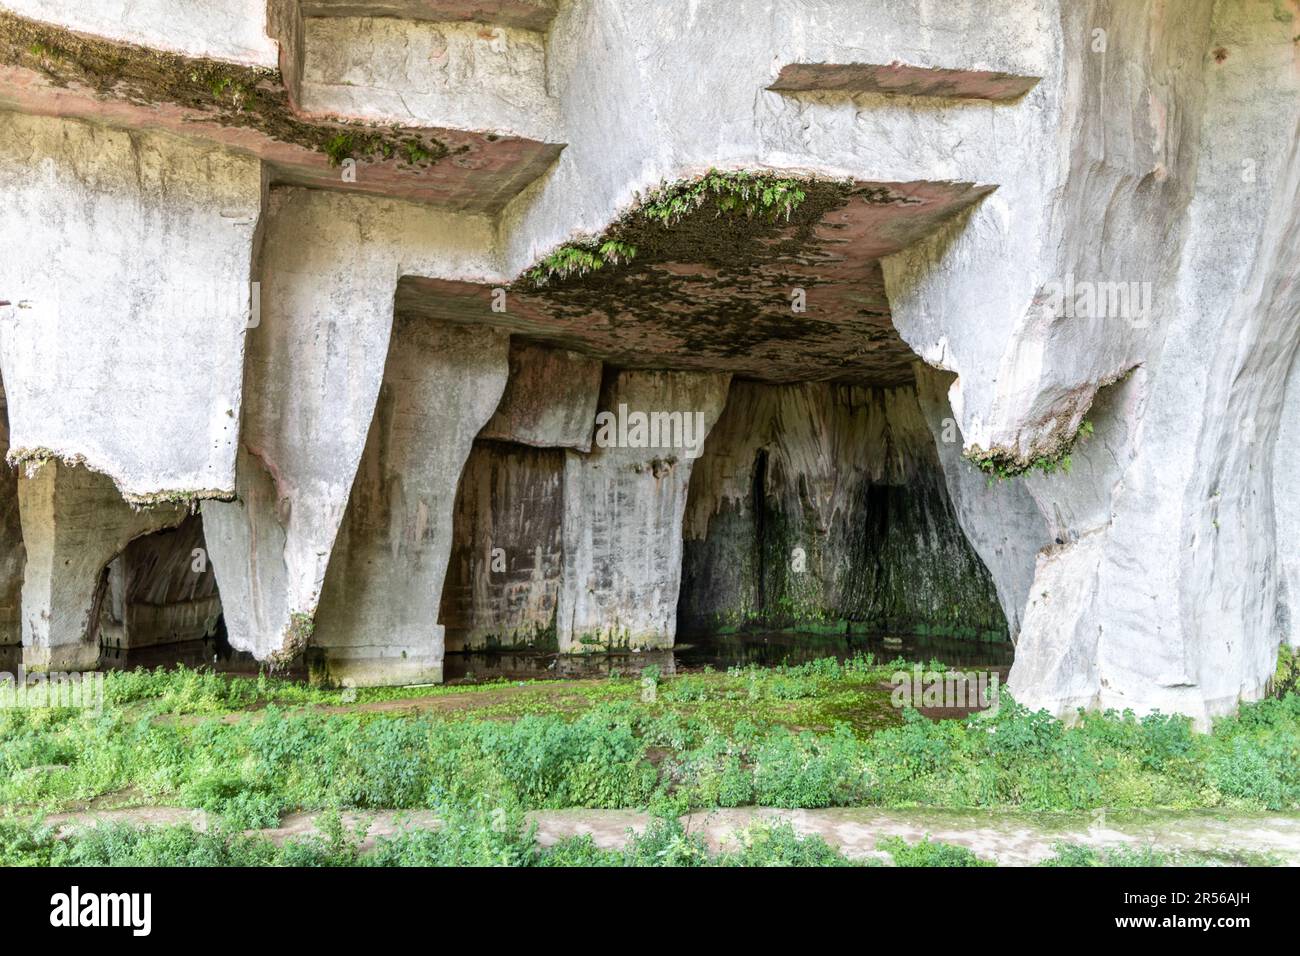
215,654
694,652
720,651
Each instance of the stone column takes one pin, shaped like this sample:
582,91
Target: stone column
12,555
316,361
378,619
623,509
74,523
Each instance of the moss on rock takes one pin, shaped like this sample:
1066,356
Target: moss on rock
227,93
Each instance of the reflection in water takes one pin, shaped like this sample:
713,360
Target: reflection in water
213,653
767,650
730,650
207,652
469,667
691,653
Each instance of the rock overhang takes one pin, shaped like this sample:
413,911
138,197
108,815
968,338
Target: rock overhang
901,79
48,70
523,14
768,275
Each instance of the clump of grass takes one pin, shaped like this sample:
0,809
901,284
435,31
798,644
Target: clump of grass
929,853
579,258
1073,854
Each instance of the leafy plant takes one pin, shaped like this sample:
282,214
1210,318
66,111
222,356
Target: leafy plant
929,853
1001,466
751,194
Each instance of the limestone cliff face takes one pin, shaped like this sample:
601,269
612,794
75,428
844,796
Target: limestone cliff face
362,285
823,507
1159,585
125,251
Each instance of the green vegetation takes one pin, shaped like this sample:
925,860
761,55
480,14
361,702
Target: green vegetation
1286,678
821,734
930,853
233,95
474,836
782,737
580,258
296,637
468,837
1000,466
1069,854
739,195
749,194
352,145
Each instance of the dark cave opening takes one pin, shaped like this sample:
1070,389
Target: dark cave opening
158,605
821,510
504,570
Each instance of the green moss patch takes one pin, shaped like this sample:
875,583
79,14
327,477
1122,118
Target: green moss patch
228,94
722,217
1002,465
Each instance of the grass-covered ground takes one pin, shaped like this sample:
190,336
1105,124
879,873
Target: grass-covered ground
469,838
815,735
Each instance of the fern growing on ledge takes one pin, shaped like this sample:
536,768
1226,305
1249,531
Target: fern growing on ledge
1000,466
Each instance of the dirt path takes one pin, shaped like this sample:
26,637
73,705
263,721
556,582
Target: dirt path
1010,839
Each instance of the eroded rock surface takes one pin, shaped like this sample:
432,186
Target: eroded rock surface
550,400
823,508
1081,217
126,255
316,361
507,559
74,524
623,510
378,620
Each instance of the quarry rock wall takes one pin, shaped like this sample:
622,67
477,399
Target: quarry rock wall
990,308
823,507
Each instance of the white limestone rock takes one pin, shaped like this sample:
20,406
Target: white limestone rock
315,365
127,262
379,614
74,524
623,510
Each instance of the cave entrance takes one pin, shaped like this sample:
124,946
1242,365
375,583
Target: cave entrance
817,519
158,605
